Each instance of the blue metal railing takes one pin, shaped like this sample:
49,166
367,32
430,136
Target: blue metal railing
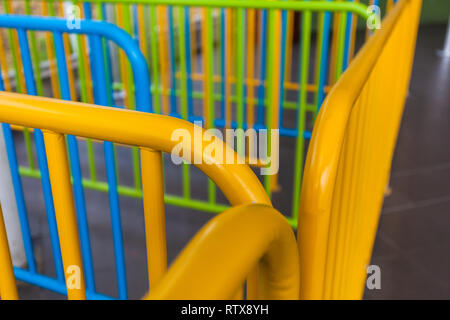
96,32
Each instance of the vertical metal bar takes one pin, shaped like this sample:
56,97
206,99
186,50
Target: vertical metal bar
86,93
222,41
228,67
184,94
98,75
173,87
301,113
65,213
283,63
42,158
262,76
208,100
162,57
155,58
187,43
18,192
250,67
8,288
80,202
51,53
35,54
323,59
273,85
155,226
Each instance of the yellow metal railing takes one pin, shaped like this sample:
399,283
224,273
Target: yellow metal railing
347,169
349,160
152,134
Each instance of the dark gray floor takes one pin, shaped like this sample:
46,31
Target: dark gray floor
413,242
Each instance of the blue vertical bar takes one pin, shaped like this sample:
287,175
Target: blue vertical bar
42,159
76,171
283,63
173,96
323,58
100,97
261,90
223,64
18,192
348,35
187,28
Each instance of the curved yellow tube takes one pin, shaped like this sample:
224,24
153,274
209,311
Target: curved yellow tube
216,262
237,181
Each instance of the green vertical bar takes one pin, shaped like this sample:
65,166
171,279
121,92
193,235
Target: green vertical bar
34,54
155,59
184,96
128,28
318,55
82,65
105,58
127,23
341,44
298,168
270,84
240,79
91,160
211,113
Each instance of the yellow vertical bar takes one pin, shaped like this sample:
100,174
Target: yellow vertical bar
389,5
289,42
351,50
193,43
155,226
250,66
70,75
163,57
51,57
4,68
58,166
276,89
228,64
334,47
8,288
141,29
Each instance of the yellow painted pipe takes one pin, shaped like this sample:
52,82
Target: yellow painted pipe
8,288
58,165
155,226
217,260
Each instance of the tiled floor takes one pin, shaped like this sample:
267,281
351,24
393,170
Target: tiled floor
413,242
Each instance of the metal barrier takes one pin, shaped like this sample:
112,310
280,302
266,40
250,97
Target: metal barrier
346,172
349,159
57,118
209,62
96,31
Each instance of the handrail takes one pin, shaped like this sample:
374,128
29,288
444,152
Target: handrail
216,261
238,182
326,154
355,7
